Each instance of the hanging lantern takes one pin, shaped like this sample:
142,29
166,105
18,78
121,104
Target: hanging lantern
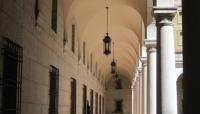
113,63
107,41
116,76
113,67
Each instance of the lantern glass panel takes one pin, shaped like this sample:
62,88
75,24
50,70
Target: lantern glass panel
107,41
113,67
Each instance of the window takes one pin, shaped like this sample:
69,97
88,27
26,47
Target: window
84,99
91,62
53,92
96,69
64,37
96,104
11,78
99,104
73,38
79,54
83,52
118,84
103,105
73,96
88,67
91,101
54,15
118,106
36,11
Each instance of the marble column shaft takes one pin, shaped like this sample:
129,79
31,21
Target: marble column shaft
140,90
144,82
166,60
152,101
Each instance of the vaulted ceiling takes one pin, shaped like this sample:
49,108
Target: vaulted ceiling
127,18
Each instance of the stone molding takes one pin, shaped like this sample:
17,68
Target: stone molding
150,43
179,64
133,84
143,60
139,69
165,22
164,15
164,12
152,49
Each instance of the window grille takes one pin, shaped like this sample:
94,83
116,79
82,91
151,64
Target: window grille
91,59
84,52
118,106
11,79
36,11
99,104
65,40
103,105
84,99
73,37
53,92
54,15
96,104
91,101
73,96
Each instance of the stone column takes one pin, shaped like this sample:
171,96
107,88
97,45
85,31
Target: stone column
133,97
140,89
136,93
167,96
144,82
132,102
152,64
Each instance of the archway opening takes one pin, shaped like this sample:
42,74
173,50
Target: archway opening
118,95
179,84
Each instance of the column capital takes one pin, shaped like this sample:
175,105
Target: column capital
136,75
143,60
152,49
139,69
164,15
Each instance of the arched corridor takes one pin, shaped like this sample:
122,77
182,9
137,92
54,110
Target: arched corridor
53,57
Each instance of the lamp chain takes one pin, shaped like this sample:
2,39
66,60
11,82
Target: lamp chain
107,18
113,51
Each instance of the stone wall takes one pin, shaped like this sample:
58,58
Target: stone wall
124,94
43,47
177,21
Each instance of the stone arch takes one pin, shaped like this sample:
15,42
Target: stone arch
180,99
127,20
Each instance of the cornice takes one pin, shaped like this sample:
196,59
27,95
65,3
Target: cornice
164,13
